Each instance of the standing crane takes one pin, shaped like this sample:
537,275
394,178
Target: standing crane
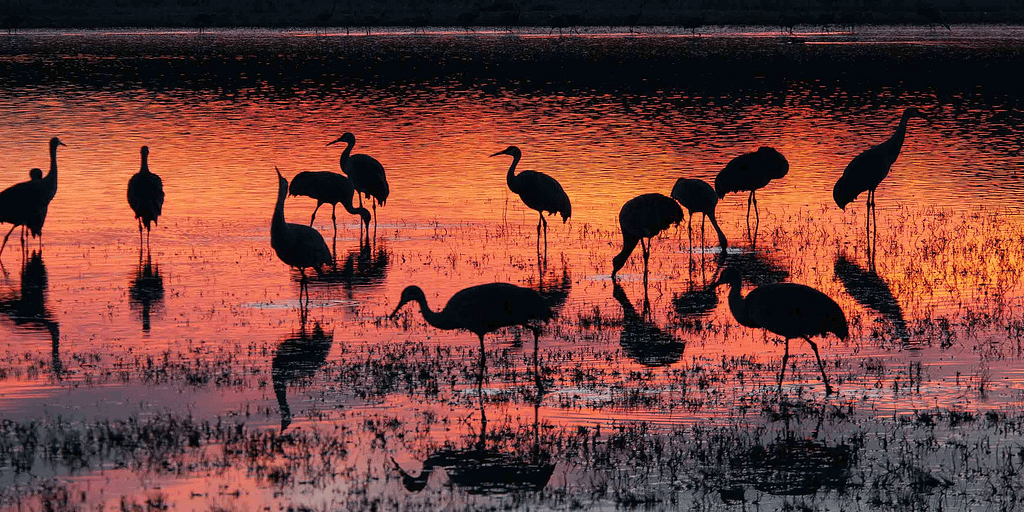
867,170
145,195
538,190
25,204
789,310
642,217
296,245
330,188
698,197
365,172
751,171
485,308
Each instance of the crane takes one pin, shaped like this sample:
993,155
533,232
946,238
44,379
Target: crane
330,188
296,245
698,197
145,195
537,190
751,171
365,172
644,216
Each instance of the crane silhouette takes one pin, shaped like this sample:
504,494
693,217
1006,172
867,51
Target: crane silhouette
485,308
298,357
296,245
537,190
934,17
641,339
867,170
25,204
324,18
146,290
751,171
789,310
633,18
145,195
644,216
365,172
330,188
697,196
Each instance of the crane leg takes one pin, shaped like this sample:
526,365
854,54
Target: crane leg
140,232
483,362
814,347
703,219
545,232
689,233
5,240
785,361
374,218
334,218
757,214
312,217
749,199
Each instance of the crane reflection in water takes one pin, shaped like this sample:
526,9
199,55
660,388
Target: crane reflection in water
27,307
297,359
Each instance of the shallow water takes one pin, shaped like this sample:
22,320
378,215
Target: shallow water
96,332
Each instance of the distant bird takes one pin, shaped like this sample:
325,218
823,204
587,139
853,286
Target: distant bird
26,203
331,188
789,310
485,308
298,357
146,290
296,245
322,19
466,19
365,172
698,197
202,21
633,18
566,21
867,170
692,23
934,17
641,339
644,216
145,195
751,171
538,190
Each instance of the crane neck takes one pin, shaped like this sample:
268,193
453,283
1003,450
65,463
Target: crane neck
52,175
437,320
345,154
346,202
144,167
628,244
277,223
899,135
510,178
737,304
721,236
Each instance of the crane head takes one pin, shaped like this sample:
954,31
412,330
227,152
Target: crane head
512,151
144,150
842,194
36,174
728,276
347,138
54,142
914,112
410,294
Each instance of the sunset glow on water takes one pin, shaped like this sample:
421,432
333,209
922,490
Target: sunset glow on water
158,375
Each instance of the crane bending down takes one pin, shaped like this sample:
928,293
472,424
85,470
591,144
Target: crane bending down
751,171
331,188
697,196
25,204
296,245
867,170
365,172
145,195
485,308
537,190
789,310
644,216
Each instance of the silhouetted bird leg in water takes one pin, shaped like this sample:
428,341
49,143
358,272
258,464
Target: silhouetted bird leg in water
483,365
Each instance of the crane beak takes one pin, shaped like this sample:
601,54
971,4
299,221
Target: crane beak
395,312
335,141
59,143
278,172
502,152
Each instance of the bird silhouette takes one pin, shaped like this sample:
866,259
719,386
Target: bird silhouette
872,292
697,196
298,357
642,217
365,172
642,340
867,170
633,18
27,308
751,171
146,290
26,203
330,188
321,20
296,245
934,17
485,308
789,310
537,190
145,195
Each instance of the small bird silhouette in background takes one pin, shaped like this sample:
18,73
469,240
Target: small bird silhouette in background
698,197
867,170
145,195
751,171
25,204
330,188
789,310
483,309
296,245
538,191
644,216
366,174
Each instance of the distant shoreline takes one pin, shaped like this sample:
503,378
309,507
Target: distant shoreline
342,14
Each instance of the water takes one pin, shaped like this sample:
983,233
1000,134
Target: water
97,332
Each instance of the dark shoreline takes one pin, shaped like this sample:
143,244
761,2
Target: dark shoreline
344,14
